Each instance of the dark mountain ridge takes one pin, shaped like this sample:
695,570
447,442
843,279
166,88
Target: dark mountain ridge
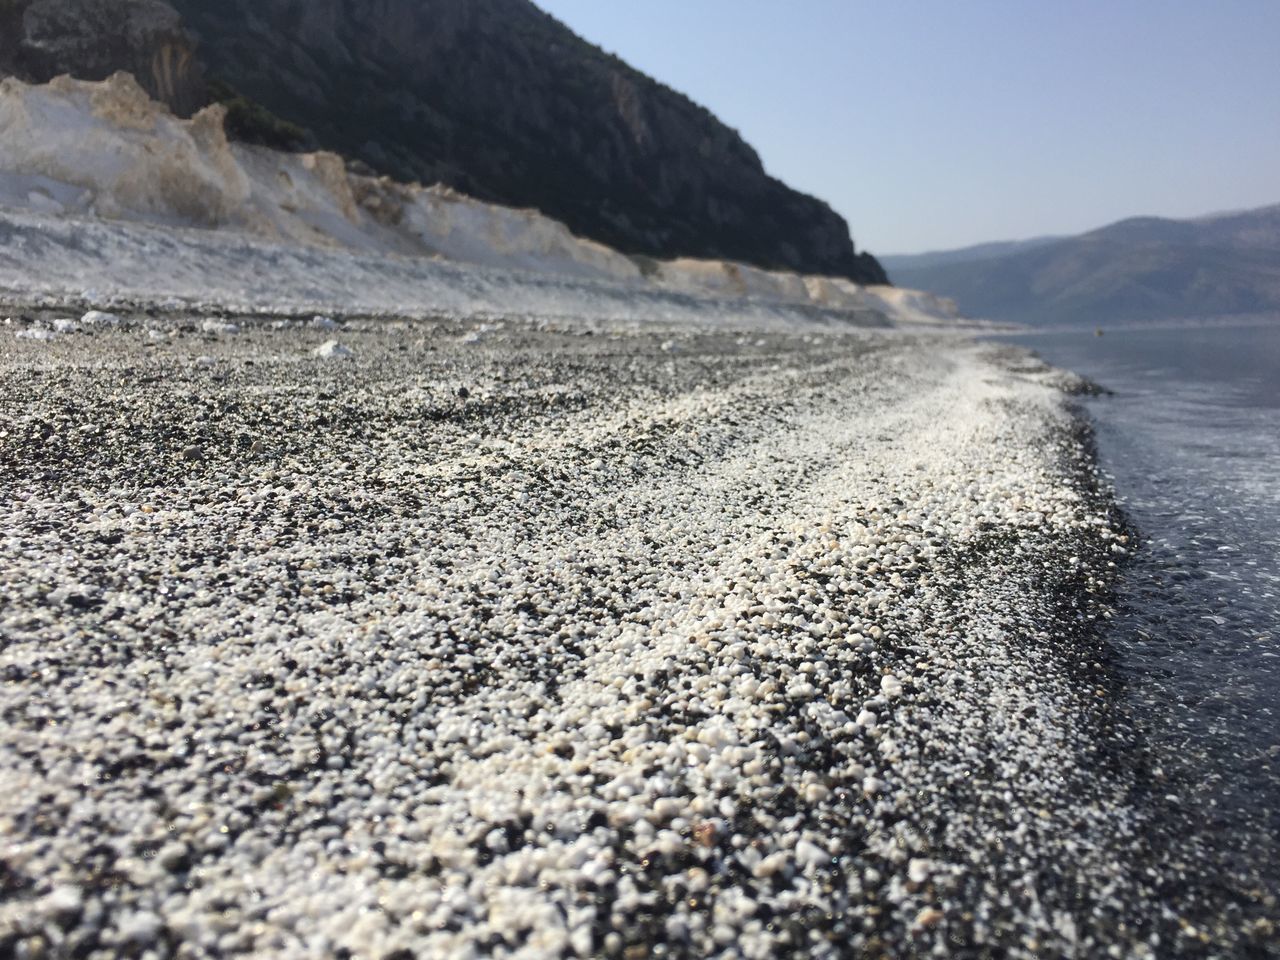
492,97
1139,269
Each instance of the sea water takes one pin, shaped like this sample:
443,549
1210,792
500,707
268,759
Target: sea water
1190,435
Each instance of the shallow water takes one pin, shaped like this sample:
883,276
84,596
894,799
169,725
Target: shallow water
1191,437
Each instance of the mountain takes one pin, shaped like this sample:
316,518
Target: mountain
1144,268
491,97
981,251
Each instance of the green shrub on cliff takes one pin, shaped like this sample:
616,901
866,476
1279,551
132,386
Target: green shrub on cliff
250,122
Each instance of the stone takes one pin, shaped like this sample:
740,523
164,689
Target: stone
333,350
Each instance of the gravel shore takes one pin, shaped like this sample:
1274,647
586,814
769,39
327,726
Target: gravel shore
417,639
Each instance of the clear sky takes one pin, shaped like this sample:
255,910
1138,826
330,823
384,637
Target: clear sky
932,124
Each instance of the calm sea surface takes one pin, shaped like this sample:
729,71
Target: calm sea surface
1191,436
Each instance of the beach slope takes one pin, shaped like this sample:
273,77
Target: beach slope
515,638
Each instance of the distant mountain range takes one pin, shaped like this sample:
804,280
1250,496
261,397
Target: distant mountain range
1142,269
491,97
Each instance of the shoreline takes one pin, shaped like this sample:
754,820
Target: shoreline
495,638
1206,794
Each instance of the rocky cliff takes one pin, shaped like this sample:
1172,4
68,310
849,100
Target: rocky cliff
107,151
491,97
92,39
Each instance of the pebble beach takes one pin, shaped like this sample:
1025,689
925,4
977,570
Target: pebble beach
438,638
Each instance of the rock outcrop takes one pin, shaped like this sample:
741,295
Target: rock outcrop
493,98
92,39
108,150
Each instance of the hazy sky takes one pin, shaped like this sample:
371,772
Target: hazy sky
937,123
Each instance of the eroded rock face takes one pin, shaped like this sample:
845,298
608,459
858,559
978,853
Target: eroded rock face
491,97
499,100
107,148
92,39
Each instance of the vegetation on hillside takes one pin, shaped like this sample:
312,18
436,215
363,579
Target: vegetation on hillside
251,122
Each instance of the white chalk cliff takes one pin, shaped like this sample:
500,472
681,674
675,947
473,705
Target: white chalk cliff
107,150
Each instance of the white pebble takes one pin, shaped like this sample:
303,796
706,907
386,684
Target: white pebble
918,869
63,901
809,854
141,927
97,318
332,350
